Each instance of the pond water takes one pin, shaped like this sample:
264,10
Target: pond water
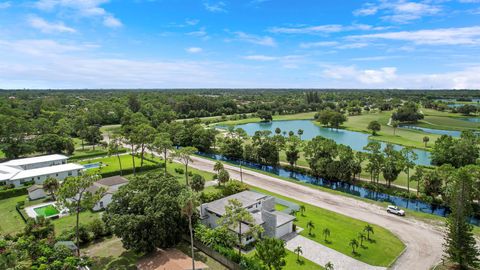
356,140
471,119
453,133
355,190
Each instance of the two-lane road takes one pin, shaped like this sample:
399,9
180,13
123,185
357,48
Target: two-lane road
423,241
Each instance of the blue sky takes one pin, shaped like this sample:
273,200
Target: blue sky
251,43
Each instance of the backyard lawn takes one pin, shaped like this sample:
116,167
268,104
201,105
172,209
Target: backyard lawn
381,251
11,222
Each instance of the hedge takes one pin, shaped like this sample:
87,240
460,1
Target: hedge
97,154
130,171
9,193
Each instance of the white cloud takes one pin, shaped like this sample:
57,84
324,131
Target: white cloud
324,29
399,11
48,27
442,36
363,76
200,33
217,7
254,39
333,44
81,8
259,57
112,22
194,50
4,5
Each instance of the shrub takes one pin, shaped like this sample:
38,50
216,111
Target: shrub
9,193
233,187
83,234
198,182
206,197
179,170
97,227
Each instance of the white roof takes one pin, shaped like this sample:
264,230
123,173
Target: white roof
7,172
34,160
47,170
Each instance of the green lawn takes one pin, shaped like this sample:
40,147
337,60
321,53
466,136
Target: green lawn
448,121
111,164
298,116
11,222
291,262
280,207
2,154
381,251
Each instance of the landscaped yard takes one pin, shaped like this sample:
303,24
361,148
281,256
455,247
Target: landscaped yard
381,251
291,262
11,222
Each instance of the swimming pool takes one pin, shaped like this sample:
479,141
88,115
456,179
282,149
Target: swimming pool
46,211
92,165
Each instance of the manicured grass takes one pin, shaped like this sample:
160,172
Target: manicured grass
10,220
298,116
68,222
291,262
111,164
448,121
382,250
110,128
403,136
280,207
2,154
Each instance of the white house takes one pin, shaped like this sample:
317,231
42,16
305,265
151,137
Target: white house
111,185
37,169
36,192
262,207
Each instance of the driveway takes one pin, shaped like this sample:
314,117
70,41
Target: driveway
321,255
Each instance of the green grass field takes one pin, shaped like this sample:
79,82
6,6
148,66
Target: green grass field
382,251
291,262
298,116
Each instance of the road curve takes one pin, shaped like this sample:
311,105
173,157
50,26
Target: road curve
423,241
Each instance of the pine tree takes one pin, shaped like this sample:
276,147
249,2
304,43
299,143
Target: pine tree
459,241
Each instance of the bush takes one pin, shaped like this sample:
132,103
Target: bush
179,170
198,182
97,227
206,197
9,193
83,234
233,187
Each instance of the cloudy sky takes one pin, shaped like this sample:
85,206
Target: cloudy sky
243,43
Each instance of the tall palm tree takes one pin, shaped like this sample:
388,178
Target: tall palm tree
302,209
361,237
300,133
188,203
326,233
298,250
354,244
369,230
218,166
310,226
329,266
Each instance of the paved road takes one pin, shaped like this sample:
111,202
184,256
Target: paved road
321,255
423,241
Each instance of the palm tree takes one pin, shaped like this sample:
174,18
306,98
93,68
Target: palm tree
368,229
188,203
326,233
394,126
51,185
354,244
300,133
302,209
293,212
329,266
310,226
362,237
218,166
298,250
426,139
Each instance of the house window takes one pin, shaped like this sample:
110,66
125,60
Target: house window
69,173
38,177
101,204
56,174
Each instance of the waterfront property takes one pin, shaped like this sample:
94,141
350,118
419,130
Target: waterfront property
262,207
37,170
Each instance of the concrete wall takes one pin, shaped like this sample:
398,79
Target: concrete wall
270,224
284,229
103,203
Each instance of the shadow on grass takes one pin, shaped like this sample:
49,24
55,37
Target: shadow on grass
300,262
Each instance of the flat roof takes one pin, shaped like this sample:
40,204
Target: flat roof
247,198
112,181
34,160
283,218
47,170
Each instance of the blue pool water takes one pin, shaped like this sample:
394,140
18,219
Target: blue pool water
471,119
92,165
453,133
355,190
356,140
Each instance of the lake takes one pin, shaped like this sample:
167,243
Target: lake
453,133
356,140
471,119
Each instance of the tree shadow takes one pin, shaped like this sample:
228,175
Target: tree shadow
300,262
328,242
364,247
356,254
372,241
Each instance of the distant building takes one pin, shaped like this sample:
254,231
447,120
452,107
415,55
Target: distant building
37,169
262,207
111,185
36,192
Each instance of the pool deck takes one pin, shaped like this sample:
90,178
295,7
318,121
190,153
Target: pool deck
31,209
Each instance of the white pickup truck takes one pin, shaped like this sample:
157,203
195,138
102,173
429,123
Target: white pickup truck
392,209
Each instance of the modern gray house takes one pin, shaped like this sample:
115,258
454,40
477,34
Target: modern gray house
262,207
